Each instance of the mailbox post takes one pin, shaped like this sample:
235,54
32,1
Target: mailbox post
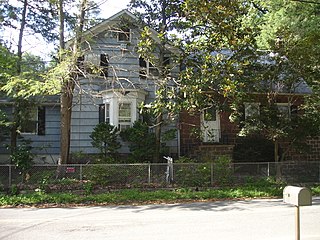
297,196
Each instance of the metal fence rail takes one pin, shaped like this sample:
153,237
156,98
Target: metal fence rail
179,174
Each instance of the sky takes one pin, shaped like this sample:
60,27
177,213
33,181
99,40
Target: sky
37,46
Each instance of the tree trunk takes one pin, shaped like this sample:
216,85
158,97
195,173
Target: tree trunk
14,127
69,84
162,80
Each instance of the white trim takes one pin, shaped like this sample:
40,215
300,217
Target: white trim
115,97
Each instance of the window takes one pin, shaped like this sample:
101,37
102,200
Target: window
35,124
104,64
104,113
124,115
210,114
147,70
251,109
286,110
124,35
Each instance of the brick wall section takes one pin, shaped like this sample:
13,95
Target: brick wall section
311,153
192,146
188,141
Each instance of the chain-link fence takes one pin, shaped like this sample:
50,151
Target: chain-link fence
159,175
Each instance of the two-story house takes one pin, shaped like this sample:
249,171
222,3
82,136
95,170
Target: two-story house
112,94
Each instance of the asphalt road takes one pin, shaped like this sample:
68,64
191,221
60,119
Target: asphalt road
225,220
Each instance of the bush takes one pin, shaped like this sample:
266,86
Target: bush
104,137
22,158
253,149
141,142
223,172
188,174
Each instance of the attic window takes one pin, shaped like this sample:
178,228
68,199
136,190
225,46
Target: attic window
124,35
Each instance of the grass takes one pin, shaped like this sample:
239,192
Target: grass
137,196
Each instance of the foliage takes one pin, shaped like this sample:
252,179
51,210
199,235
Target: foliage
253,149
131,196
4,126
104,137
141,142
223,171
190,175
288,65
22,158
106,174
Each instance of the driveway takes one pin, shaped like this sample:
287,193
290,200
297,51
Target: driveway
224,220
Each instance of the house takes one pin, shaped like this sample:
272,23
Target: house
113,94
209,133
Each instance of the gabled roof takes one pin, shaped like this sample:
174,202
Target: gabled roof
116,19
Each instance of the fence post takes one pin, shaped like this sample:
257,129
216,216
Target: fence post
149,173
268,169
10,176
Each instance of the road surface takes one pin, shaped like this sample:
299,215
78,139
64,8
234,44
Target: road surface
224,220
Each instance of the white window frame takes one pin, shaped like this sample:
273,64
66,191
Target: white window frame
282,113
114,98
125,121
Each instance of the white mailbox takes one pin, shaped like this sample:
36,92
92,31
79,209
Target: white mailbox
298,196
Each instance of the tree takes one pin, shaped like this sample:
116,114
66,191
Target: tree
161,16
27,15
217,47
288,35
67,71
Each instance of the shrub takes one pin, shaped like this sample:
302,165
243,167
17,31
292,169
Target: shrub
253,149
188,174
22,158
104,137
223,172
141,142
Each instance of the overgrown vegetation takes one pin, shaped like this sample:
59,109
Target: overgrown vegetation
141,142
259,189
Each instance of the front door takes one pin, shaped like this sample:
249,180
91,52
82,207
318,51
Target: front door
210,125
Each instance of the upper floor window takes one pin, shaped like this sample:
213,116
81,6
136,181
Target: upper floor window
104,64
286,110
147,70
124,35
93,63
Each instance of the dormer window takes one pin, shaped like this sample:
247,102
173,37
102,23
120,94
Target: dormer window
124,35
